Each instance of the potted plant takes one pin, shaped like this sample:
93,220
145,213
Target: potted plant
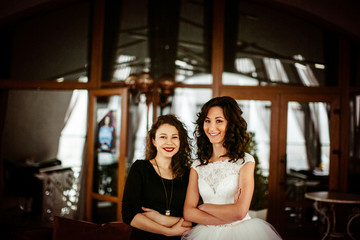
258,207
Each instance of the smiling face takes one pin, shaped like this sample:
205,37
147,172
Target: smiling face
215,125
167,141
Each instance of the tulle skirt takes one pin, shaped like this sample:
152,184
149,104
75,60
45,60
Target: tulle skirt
251,229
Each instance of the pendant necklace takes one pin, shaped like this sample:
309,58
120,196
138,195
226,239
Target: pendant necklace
167,211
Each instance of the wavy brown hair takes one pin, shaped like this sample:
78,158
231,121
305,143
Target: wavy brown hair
236,136
180,162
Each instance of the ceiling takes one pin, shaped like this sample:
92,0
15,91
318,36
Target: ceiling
341,16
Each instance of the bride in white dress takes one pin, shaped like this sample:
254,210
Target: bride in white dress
223,176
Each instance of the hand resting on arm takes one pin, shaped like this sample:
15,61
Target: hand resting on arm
144,223
164,220
216,214
191,211
240,207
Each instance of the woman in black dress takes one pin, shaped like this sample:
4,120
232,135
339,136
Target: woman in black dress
155,189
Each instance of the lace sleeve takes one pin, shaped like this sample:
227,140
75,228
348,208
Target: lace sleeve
248,158
195,164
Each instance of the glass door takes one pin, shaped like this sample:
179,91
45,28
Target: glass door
257,114
261,111
309,151
298,148
106,154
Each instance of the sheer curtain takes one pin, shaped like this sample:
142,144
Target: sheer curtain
275,70
186,103
259,123
72,149
140,122
318,157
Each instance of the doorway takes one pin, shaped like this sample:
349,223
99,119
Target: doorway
303,153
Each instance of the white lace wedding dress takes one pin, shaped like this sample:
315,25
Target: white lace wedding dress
218,184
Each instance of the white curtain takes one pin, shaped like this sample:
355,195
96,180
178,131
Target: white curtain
72,148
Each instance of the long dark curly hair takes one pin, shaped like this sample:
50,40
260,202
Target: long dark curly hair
236,136
181,160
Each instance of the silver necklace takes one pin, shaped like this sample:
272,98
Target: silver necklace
167,211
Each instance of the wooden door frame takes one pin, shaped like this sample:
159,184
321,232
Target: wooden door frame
90,195
263,94
334,171
279,97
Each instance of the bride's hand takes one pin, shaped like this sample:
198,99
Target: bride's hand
178,229
203,207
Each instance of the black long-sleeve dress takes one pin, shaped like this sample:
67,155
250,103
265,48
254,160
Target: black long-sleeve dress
144,188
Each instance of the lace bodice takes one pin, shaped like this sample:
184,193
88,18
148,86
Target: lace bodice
218,182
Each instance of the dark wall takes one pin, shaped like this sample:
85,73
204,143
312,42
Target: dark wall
33,123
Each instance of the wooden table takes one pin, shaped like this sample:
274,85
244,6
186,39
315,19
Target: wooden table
325,204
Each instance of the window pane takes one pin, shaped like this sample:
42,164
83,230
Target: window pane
126,49
257,114
354,146
308,137
166,38
187,102
48,46
140,121
107,135
73,135
193,61
307,161
266,46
